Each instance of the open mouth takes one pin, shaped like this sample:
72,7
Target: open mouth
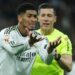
46,23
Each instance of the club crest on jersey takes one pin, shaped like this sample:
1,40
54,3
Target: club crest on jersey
6,38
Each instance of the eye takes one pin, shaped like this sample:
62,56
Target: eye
50,15
30,15
35,16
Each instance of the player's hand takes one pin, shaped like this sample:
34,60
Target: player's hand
34,37
53,45
56,55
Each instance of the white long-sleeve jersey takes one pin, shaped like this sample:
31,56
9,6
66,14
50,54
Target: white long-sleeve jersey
16,56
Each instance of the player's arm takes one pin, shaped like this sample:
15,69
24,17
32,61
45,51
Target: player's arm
65,62
51,49
38,41
12,46
65,59
44,49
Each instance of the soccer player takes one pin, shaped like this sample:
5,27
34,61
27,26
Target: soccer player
19,45
63,56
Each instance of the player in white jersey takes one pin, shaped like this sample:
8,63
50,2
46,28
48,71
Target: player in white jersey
18,46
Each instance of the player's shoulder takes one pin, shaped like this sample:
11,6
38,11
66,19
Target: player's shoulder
60,33
8,30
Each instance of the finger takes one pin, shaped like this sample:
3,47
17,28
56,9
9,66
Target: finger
59,38
54,43
57,42
48,48
37,40
51,46
39,37
51,43
33,35
27,31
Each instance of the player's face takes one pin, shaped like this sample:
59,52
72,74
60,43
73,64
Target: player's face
46,18
28,19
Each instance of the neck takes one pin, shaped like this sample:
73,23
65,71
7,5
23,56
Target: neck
46,31
22,30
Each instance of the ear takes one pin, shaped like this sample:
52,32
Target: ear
19,18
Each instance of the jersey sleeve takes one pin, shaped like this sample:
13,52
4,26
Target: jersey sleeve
65,46
9,44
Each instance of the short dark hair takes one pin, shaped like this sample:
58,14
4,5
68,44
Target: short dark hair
47,5
24,7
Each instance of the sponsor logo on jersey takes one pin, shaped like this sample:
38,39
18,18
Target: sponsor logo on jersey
26,56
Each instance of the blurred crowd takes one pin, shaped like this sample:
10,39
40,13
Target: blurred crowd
65,13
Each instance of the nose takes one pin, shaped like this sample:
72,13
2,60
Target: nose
46,18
